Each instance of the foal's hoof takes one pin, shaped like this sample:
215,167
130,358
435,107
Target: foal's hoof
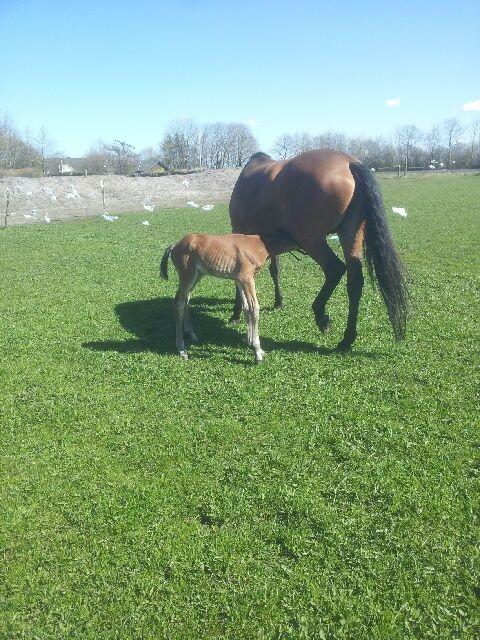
234,319
324,324
183,355
278,305
259,355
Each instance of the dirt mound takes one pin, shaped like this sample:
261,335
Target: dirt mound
63,198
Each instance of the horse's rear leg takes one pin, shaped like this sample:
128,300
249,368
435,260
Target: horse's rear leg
352,242
275,273
333,268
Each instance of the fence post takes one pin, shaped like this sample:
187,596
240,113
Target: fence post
398,171
7,195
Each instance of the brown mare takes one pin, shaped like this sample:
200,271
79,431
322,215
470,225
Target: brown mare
305,199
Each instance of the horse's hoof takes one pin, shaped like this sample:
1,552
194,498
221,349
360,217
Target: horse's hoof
324,324
234,320
278,305
344,346
183,355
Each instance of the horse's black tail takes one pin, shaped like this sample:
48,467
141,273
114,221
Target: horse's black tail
384,264
164,262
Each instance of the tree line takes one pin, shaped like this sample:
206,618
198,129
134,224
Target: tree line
188,145
446,145
185,145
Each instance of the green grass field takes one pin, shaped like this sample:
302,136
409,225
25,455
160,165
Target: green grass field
317,496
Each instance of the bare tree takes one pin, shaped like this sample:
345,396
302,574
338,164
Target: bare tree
180,144
15,151
433,143
99,159
283,147
406,139
125,158
452,129
244,144
289,145
475,143
331,140
46,148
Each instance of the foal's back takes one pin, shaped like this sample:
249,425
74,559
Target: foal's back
224,256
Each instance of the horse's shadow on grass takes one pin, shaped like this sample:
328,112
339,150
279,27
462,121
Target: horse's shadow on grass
152,324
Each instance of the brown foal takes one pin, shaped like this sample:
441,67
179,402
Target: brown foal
233,256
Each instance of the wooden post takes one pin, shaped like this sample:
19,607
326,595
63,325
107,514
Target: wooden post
103,193
405,169
398,171
7,195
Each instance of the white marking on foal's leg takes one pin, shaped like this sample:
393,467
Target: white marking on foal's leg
259,353
253,313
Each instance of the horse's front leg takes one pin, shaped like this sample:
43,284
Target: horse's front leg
274,269
333,269
237,307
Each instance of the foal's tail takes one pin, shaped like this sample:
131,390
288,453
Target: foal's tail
164,262
384,264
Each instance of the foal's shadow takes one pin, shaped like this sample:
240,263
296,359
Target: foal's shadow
152,326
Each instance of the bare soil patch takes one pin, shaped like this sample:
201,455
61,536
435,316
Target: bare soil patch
65,198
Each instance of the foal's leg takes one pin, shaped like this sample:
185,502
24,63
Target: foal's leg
333,268
187,274
249,291
246,313
179,310
274,269
275,273
352,241
187,323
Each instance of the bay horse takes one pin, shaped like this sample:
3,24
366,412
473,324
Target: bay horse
305,199
237,257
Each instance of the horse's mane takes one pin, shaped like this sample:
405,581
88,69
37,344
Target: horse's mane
260,155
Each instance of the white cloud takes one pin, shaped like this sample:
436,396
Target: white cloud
392,102
471,106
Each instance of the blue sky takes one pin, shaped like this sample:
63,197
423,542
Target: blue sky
88,70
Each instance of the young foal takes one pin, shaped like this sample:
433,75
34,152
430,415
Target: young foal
234,256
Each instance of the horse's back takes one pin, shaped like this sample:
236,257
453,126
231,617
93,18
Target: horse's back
313,188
